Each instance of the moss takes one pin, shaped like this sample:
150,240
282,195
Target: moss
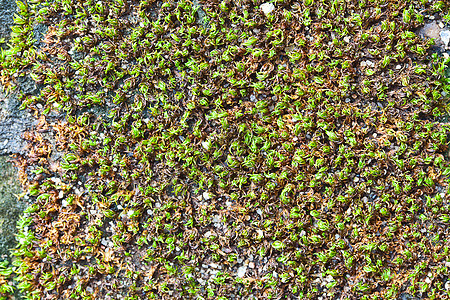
292,153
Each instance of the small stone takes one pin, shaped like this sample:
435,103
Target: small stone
356,179
365,199
251,265
428,280
61,195
430,30
206,196
260,233
259,211
447,285
363,64
398,67
206,145
347,39
370,63
241,271
445,37
267,8
441,25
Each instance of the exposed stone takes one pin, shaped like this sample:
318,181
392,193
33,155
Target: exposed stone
10,207
445,37
267,8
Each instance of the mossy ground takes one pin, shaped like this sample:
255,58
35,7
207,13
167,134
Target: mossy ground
213,150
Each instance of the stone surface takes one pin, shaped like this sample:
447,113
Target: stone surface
10,207
431,31
13,122
445,37
7,10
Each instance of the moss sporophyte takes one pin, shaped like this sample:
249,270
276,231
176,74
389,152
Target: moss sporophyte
231,149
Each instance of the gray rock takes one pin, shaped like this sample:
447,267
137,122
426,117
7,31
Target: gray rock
445,37
10,207
7,10
431,31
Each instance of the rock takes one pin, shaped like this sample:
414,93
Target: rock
241,271
7,10
431,31
445,37
207,196
267,8
10,207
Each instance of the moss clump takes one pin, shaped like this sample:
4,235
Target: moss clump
210,150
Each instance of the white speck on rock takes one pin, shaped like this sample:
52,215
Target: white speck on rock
267,8
241,271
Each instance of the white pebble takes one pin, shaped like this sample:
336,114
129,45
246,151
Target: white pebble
398,67
267,8
347,39
241,271
447,285
206,196
206,145
445,37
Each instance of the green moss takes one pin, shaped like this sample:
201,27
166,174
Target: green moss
287,152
